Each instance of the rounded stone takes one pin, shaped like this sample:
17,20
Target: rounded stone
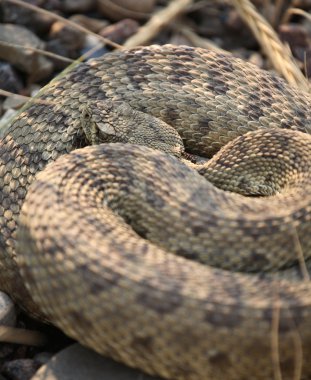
7,311
79,363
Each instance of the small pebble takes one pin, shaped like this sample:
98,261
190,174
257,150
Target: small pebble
91,23
120,31
9,79
71,38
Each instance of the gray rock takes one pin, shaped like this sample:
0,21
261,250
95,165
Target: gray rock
72,38
79,363
9,79
7,318
43,357
64,41
7,311
35,21
26,60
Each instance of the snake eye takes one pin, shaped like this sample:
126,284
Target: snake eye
106,129
107,133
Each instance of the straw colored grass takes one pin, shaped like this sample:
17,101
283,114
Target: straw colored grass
279,54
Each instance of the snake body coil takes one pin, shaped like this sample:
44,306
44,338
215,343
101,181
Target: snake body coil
133,293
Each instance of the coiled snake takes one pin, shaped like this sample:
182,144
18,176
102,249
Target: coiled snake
134,293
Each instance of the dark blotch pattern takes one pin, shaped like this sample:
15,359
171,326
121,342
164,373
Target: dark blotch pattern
203,125
220,359
161,305
219,318
96,281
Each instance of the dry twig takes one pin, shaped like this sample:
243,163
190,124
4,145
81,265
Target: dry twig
36,50
295,11
21,336
23,97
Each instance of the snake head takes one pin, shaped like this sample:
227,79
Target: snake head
97,123
114,121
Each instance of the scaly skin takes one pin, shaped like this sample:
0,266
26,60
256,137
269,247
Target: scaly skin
95,278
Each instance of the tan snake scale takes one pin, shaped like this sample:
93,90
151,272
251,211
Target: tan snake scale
121,290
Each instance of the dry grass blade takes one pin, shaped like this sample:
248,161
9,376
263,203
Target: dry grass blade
278,53
275,338
299,353
25,98
40,51
300,257
21,336
281,7
295,11
157,22
297,346
8,93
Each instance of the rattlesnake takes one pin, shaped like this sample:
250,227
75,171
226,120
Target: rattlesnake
129,296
